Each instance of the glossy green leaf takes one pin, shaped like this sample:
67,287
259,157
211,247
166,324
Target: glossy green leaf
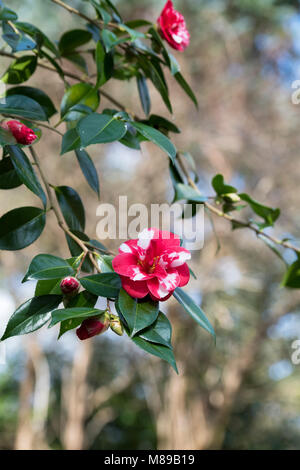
21,227
75,312
81,93
157,138
20,70
138,313
22,106
52,286
269,214
38,35
73,39
105,263
186,87
6,137
71,206
88,169
9,178
100,128
193,310
16,39
48,267
292,276
104,63
103,285
37,95
6,14
220,187
159,332
86,300
162,124
25,172
31,315
144,93
70,141
183,191
76,250
159,350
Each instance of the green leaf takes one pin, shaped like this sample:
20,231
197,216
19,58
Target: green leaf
6,137
37,35
25,172
220,187
183,191
159,350
52,286
138,313
76,312
105,65
269,214
105,263
6,14
193,310
84,299
144,93
153,71
19,105
292,276
9,178
70,141
103,285
73,39
159,332
17,40
21,227
157,138
37,95
71,207
48,267
162,124
186,87
88,169
20,70
100,128
79,94
31,315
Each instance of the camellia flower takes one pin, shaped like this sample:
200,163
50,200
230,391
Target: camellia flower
93,327
172,27
23,134
154,264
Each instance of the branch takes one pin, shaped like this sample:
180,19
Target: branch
219,213
71,75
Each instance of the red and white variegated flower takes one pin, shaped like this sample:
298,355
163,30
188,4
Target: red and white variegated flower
172,27
154,264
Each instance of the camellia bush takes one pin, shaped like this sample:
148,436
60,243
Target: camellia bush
151,268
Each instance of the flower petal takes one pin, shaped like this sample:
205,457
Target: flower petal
136,289
184,274
124,263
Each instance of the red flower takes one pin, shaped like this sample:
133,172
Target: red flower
69,285
172,27
92,327
23,134
153,264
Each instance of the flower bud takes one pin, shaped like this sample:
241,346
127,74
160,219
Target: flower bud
69,286
23,134
231,197
93,326
116,325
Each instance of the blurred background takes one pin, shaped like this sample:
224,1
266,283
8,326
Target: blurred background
244,392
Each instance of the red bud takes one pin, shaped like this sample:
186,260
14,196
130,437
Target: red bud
23,134
69,285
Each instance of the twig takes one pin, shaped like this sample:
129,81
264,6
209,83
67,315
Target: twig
219,213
